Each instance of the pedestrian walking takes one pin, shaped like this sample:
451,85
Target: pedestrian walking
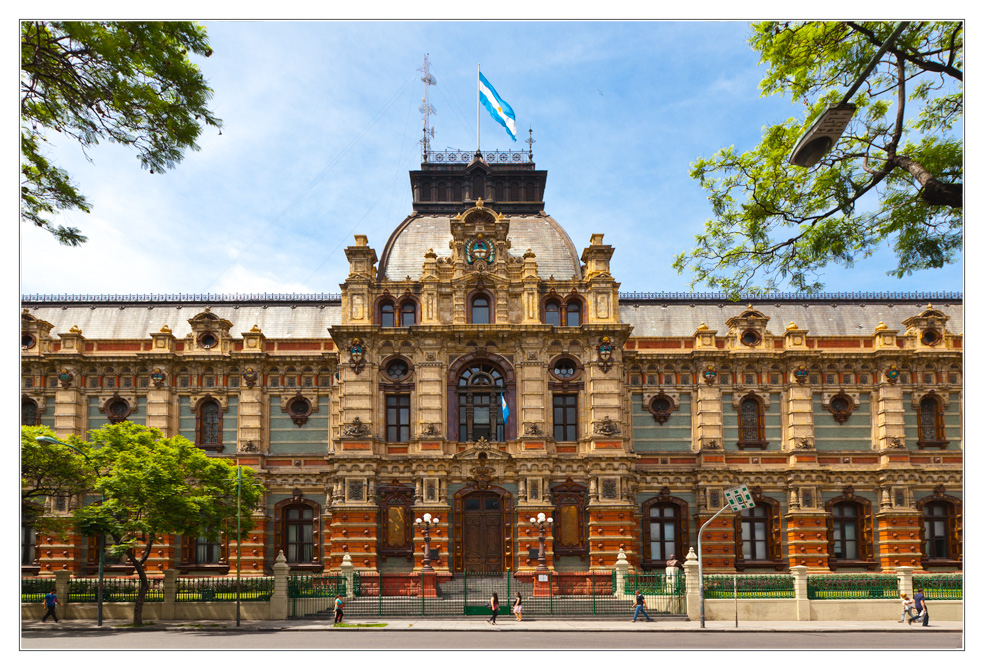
907,607
922,612
50,601
640,606
494,606
339,607
518,607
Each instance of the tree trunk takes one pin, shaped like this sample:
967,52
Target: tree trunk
933,192
141,592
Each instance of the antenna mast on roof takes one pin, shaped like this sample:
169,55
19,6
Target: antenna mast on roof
425,107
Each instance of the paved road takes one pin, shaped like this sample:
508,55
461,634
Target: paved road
495,639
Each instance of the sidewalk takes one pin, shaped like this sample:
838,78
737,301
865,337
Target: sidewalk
511,625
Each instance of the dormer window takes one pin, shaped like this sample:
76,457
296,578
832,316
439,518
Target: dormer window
387,314
408,314
551,313
573,313
750,338
207,340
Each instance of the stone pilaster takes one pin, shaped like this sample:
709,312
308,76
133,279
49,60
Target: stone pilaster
162,410
799,418
278,601
253,418
709,418
889,417
806,539
800,594
898,539
70,413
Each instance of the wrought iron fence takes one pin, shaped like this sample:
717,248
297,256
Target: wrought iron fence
852,587
115,590
943,586
748,586
211,589
769,297
33,589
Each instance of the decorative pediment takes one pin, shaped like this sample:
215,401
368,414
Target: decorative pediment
482,450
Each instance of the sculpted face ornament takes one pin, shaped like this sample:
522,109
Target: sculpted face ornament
358,355
606,354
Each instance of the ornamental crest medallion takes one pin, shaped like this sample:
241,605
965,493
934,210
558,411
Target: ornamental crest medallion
358,355
606,354
479,249
158,376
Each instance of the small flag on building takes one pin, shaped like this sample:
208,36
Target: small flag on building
498,108
505,407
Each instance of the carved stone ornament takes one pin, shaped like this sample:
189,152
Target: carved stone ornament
892,374
608,427
710,375
939,491
606,354
356,429
896,442
801,374
803,443
250,376
430,431
248,447
709,444
158,376
533,430
479,249
357,355
65,378
849,492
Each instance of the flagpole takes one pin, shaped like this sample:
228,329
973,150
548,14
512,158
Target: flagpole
478,110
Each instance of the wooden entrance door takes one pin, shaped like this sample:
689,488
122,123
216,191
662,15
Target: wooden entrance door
482,532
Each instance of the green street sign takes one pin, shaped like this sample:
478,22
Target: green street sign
739,498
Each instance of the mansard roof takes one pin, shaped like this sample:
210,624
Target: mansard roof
305,316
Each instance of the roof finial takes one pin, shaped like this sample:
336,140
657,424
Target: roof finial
531,142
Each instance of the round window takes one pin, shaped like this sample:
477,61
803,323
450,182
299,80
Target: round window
398,369
208,340
565,368
750,338
27,341
840,404
661,406
300,406
930,338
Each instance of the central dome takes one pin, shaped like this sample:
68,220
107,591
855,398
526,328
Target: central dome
403,255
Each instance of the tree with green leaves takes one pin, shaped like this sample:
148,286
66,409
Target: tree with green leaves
150,486
895,177
50,471
132,83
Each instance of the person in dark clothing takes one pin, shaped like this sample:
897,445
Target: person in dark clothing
494,605
921,611
640,606
50,601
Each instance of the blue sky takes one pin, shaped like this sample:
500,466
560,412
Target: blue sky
321,127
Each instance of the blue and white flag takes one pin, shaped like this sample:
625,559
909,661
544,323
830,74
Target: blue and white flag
505,407
498,108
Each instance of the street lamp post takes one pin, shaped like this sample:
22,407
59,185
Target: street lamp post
239,539
425,525
824,133
44,439
540,522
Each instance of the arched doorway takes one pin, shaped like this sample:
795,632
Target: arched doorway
483,529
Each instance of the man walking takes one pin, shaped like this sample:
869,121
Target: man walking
640,607
921,611
50,601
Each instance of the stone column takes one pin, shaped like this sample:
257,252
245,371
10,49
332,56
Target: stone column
162,411
170,594
70,413
252,417
800,592
62,578
278,601
709,427
621,573
692,575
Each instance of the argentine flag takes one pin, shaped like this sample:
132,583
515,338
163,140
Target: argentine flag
505,407
498,108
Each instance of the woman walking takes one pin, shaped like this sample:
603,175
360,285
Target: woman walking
518,607
494,604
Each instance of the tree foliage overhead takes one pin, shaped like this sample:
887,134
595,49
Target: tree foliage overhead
895,177
50,470
150,486
131,83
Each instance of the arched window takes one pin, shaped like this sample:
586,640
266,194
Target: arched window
937,526
573,313
850,533
931,433
569,531
480,309
551,313
28,544
758,540
408,313
387,314
664,531
299,534
751,424
30,414
480,388
208,425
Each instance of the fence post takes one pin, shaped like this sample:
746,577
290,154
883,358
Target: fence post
347,571
904,574
62,577
800,593
170,594
278,601
692,578
621,571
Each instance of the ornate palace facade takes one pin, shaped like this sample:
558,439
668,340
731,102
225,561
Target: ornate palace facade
479,369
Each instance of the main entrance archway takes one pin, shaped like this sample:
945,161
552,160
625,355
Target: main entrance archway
482,529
